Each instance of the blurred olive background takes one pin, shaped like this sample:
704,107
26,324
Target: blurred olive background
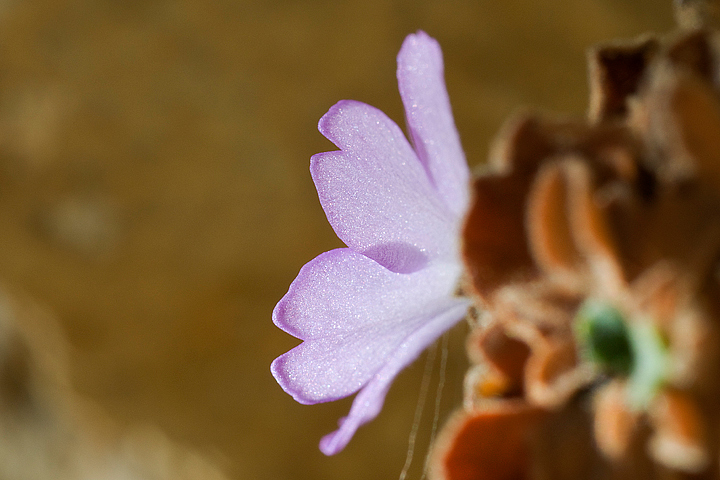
155,194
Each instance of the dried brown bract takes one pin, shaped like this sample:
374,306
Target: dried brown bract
593,246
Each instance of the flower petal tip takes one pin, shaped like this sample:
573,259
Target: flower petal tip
417,43
279,372
330,446
421,81
282,315
330,122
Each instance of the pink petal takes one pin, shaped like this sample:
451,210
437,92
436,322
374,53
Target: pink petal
357,318
430,120
376,194
369,401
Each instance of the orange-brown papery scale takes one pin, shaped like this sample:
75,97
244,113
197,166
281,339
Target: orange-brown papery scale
622,208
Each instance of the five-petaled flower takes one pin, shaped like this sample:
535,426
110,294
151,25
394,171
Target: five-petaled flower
365,312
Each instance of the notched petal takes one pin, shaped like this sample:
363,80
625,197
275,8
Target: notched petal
374,190
352,314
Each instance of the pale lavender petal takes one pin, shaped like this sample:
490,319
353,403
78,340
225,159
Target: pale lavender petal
369,401
354,315
365,312
376,194
429,118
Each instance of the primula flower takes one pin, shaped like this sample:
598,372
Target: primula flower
367,311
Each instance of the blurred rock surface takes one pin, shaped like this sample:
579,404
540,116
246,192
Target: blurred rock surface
49,432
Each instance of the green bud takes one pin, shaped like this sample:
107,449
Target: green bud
636,350
602,331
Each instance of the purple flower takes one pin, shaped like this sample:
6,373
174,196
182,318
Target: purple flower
367,311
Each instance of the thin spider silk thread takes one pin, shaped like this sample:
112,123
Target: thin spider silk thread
424,387
438,398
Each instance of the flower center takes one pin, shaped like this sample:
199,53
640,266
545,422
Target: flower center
603,333
636,350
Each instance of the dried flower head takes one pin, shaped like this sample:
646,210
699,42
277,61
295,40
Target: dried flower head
593,245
